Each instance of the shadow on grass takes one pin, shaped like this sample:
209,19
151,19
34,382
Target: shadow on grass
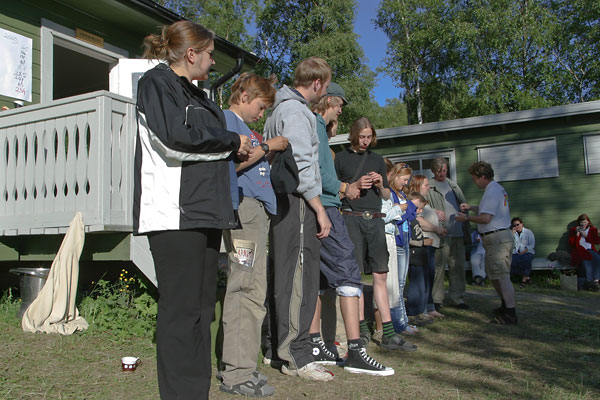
552,352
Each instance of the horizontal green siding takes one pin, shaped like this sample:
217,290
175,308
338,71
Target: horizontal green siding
546,205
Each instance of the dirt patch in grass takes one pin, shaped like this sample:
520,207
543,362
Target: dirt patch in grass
554,353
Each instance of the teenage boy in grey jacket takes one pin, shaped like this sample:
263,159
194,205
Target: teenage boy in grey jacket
294,239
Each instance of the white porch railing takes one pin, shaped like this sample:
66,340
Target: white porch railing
70,155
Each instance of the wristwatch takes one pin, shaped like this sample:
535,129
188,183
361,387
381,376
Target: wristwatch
264,147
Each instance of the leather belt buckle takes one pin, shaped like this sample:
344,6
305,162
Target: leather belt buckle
367,215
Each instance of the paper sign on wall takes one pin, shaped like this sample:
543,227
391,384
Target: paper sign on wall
15,67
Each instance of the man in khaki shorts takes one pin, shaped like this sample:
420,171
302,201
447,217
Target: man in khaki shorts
493,224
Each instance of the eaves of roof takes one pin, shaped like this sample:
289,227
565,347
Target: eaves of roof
485,121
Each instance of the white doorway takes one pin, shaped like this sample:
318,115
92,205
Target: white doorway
70,66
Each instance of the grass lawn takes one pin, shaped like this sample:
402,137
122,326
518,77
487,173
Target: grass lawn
554,353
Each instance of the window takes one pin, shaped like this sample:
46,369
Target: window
70,66
521,160
591,150
421,162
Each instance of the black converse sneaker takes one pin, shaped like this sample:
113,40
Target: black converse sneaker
359,362
322,355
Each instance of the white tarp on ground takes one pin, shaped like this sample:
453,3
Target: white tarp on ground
54,311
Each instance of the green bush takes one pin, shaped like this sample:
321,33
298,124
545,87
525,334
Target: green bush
123,308
9,307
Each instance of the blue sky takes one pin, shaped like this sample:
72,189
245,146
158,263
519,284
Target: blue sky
373,41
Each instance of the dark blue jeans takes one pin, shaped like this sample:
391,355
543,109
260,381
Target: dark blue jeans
416,292
521,264
592,267
430,276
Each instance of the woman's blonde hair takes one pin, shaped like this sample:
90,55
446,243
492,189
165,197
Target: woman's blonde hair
175,39
399,169
416,182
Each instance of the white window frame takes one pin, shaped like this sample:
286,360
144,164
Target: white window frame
592,159
447,153
52,33
550,170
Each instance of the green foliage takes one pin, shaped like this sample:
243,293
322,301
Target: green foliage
393,114
123,308
576,49
290,31
459,58
227,18
9,306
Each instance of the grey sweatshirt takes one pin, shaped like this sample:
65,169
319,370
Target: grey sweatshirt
292,118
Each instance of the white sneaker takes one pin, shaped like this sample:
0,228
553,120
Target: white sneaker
312,371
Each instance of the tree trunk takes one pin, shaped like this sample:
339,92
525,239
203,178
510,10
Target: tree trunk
419,100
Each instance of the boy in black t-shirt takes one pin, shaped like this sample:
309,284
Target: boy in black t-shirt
364,171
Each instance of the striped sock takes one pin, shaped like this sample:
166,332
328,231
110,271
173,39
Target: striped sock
363,326
388,329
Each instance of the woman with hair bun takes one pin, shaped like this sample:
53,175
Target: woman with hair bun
182,200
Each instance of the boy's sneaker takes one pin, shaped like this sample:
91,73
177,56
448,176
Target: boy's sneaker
322,355
251,388
397,343
359,362
312,371
255,374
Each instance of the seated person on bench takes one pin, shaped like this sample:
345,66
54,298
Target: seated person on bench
523,251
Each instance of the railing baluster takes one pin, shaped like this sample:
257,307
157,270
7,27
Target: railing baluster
70,161
28,183
81,169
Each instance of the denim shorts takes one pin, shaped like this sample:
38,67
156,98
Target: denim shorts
338,263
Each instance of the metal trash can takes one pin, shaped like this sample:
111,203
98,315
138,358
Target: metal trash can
31,281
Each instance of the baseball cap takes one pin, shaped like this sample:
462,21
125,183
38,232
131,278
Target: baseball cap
336,90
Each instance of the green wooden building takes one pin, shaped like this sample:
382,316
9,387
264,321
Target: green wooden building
70,145
548,160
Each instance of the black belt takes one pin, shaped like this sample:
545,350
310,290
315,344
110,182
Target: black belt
490,232
364,214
